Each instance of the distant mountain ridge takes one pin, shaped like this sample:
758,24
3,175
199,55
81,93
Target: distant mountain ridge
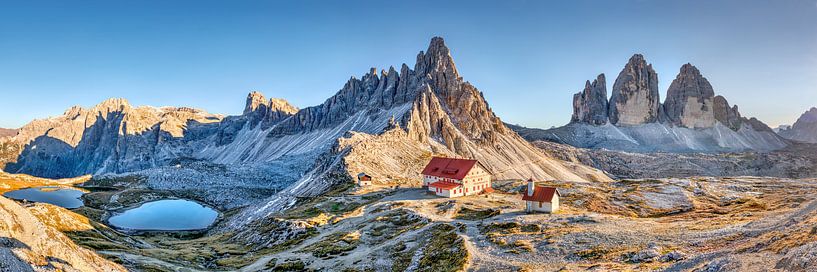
691,119
6,132
804,129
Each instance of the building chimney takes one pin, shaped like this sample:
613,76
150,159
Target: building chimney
530,186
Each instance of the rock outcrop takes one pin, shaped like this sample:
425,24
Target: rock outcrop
804,129
635,99
729,116
28,244
690,100
590,105
259,110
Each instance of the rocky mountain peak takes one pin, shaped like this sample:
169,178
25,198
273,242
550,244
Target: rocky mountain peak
260,110
437,59
279,109
255,100
804,129
73,111
112,105
590,105
635,99
809,116
689,100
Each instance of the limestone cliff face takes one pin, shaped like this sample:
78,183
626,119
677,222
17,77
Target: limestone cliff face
590,105
112,136
690,100
729,116
804,129
635,99
259,110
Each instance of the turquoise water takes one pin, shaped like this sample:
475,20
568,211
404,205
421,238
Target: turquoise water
63,197
169,214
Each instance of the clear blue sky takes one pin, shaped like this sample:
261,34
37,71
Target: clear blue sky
528,57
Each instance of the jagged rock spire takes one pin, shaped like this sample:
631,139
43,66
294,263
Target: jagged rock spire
437,59
689,100
590,105
260,110
635,99
255,100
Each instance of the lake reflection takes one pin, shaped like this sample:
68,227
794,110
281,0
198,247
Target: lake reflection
63,197
170,214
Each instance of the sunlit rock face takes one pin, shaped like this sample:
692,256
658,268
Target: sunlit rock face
112,136
635,99
690,100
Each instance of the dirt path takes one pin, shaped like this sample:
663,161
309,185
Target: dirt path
349,224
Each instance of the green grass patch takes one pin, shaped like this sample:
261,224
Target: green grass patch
445,250
334,244
473,215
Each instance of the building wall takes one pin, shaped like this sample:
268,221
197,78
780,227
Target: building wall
548,207
456,192
477,180
429,179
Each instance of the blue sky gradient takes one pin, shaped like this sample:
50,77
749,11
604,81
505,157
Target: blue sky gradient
528,57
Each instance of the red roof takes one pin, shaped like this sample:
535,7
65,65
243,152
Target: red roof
445,185
448,167
540,194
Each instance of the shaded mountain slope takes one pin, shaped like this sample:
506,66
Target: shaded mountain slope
804,129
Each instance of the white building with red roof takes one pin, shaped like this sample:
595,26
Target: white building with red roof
541,198
451,177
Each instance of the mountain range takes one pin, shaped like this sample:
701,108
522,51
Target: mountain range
691,119
386,124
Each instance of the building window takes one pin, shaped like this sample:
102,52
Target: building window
540,204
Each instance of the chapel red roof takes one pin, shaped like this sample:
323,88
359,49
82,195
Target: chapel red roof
449,167
445,185
540,194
